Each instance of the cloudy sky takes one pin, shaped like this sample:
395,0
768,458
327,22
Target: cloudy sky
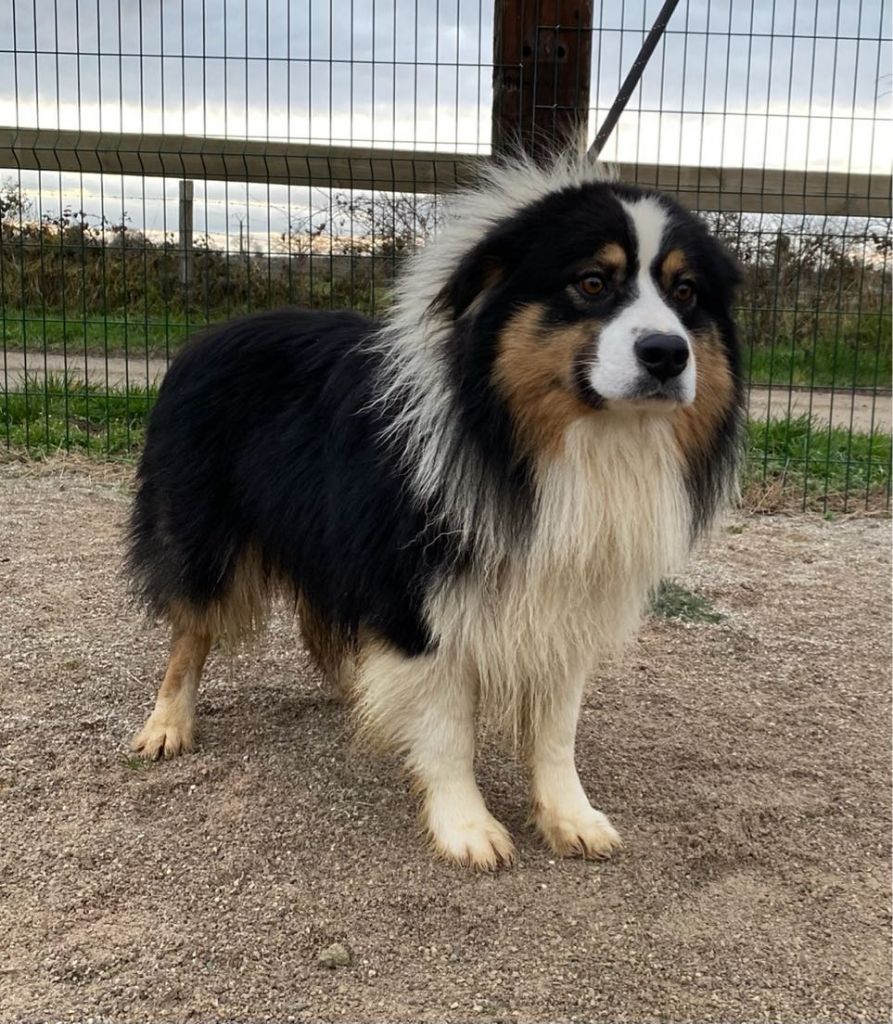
756,83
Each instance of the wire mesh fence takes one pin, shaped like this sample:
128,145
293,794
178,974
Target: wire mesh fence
163,166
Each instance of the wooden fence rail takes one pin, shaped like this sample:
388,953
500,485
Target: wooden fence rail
745,190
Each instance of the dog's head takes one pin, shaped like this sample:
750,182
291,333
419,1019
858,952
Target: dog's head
596,298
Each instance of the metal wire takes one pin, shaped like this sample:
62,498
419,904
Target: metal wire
632,79
770,117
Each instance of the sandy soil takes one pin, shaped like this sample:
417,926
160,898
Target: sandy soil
746,764
846,409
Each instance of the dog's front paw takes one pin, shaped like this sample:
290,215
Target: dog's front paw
164,735
463,831
581,832
482,845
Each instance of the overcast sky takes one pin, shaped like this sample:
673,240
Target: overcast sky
776,83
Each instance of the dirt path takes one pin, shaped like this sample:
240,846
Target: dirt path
858,411
746,764
114,371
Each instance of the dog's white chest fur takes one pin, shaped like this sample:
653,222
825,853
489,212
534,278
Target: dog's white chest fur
612,521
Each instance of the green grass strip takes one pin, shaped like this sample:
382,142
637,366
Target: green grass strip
815,460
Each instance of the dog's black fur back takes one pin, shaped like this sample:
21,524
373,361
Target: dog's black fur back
282,389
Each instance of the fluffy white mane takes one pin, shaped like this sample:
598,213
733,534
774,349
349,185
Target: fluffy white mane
448,479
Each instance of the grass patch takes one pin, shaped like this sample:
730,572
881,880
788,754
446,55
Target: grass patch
113,335
816,465
673,601
825,363
153,332
47,414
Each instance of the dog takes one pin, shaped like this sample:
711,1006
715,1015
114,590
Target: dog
470,501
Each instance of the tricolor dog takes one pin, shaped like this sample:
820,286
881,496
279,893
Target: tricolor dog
470,501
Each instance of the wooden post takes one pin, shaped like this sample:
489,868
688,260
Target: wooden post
542,51
185,238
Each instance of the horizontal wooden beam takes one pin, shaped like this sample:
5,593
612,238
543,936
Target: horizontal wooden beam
747,190
216,159
759,190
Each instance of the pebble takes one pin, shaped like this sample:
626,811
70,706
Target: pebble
334,956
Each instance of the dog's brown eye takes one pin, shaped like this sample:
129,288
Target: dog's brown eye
684,292
592,285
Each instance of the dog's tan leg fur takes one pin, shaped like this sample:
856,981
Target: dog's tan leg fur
570,825
170,729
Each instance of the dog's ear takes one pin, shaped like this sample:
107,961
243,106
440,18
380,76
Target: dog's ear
478,271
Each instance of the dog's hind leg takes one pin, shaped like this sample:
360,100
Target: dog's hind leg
425,708
561,810
170,729
237,610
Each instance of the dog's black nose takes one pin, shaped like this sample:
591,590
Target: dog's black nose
663,355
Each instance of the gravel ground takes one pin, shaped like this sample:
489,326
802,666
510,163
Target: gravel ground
746,764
